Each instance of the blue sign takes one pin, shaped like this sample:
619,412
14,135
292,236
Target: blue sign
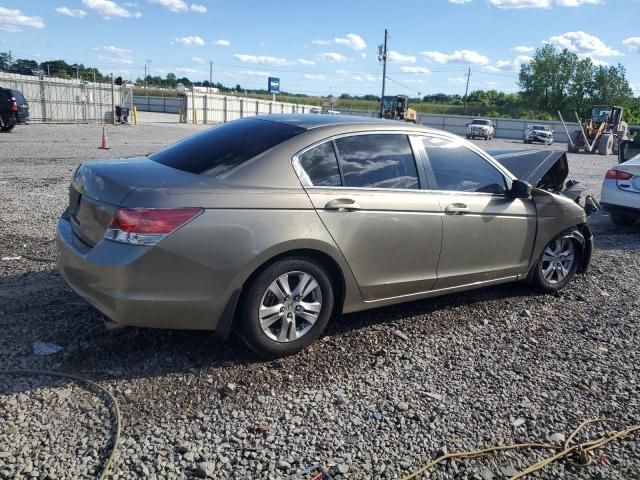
274,85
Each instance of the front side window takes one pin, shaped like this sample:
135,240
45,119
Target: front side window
320,166
377,161
457,168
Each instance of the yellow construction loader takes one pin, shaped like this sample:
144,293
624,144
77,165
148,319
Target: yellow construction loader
602,132
397,108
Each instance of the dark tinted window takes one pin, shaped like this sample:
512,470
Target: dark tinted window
222,148
460,169
377,161
321,165
20,100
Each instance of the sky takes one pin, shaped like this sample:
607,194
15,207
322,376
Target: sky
324,47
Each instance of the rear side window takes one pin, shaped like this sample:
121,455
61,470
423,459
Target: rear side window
377,161
220,149
457,168
321,166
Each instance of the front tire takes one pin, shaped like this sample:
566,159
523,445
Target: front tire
286,307
557,265
8,128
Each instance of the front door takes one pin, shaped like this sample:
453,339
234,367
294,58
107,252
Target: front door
486,235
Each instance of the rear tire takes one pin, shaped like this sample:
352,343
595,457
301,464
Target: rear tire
605,144
8,128
557,265
274,320
622,220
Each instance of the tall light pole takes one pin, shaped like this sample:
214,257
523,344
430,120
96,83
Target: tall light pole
145,72
466,90
382,57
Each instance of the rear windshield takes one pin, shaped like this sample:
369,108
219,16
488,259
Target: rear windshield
220,149
19,98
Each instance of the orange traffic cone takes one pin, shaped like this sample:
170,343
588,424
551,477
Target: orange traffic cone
104,144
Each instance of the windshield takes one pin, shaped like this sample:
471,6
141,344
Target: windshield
601,114
481,122
220,149
540,127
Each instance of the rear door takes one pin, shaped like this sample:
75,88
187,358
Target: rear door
486,234
388,229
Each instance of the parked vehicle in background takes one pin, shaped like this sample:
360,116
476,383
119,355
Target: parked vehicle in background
396,107
538,133
316,216
620,194
323,111
14,109
481,128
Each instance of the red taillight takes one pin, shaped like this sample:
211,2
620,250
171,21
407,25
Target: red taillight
618,175
13,107
147,226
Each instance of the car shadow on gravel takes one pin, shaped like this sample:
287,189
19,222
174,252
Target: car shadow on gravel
38,306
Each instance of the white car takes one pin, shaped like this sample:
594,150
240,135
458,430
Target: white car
620,194
482,128
538,133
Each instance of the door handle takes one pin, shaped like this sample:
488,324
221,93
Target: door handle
456,209
348,204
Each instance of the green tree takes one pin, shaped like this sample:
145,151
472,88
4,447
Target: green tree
171,79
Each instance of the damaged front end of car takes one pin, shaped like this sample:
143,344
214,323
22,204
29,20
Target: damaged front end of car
547,170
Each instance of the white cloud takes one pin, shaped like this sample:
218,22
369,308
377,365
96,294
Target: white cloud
304,61
321,42
192,40
599,63
187,70
333,57
199,60
108,9
632,43
491,84
414,70
253,73
130,4
221,42
457,80
413,80
197,7
507,4
351,40
263,59
393,56
523,49
172,5
510,65
363,55
584,44
459,1
71,12
458,56
113,54
313,76
358,76
14,20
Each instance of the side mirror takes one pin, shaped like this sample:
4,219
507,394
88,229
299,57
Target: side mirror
520,189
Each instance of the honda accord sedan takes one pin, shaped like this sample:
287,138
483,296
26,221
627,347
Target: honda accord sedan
272,225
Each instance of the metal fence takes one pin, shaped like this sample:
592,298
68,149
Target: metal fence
214,108
58,100
145,103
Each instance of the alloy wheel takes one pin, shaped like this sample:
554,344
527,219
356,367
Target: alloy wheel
290,306
557,260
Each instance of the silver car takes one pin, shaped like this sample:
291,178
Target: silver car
272,225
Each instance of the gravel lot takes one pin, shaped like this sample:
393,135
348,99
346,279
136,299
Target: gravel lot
475,371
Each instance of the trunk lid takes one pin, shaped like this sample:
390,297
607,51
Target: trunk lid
98,188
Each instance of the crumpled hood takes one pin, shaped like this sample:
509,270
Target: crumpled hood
541,168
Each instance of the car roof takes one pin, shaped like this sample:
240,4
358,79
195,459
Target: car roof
310,122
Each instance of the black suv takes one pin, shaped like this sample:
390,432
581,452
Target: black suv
14,109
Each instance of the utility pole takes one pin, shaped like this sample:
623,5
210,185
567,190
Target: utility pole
145,76
113,101
9,59
382,56
466,90
210,74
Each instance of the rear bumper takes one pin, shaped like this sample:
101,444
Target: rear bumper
608,207
146,286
